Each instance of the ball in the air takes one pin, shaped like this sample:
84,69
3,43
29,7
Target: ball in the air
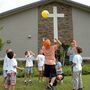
45,14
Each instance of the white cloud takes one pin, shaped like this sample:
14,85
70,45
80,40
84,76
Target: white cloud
6,5
86,2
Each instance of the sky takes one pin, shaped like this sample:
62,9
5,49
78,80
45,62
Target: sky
6,5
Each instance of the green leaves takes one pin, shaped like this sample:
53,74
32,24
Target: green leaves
1,43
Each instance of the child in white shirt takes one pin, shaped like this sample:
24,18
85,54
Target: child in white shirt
29,57
12,70
77,70
41,59
5,63
5,67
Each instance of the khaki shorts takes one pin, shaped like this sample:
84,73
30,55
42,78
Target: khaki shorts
41,68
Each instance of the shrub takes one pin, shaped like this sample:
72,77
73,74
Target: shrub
66,69
86,69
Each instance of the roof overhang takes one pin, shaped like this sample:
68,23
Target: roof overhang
43,2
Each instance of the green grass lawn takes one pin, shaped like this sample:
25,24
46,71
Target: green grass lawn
36,85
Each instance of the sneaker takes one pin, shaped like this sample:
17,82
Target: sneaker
26,82
30,81
50,87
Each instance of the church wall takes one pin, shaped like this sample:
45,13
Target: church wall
81,30
65,28
17,30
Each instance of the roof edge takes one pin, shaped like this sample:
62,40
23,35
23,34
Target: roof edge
38,3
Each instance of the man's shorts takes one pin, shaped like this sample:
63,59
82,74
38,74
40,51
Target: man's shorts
41,68
50,71
28,70
11,78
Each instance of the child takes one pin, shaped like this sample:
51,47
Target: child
5,66
59,73
41,59
12,70
77,70
72,51
29,56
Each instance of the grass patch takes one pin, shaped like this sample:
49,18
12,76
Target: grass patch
66,85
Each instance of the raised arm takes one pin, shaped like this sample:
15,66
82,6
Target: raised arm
32,53
58,42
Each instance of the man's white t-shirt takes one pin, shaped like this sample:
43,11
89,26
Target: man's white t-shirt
12,63
5,63
41,59
78,61
29,60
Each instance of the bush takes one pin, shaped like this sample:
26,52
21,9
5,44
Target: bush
20,74
66,69
86,69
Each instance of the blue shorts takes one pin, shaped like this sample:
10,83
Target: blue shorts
28,70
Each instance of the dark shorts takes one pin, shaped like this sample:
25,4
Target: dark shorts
50,71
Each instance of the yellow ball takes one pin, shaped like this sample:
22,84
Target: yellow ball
45,14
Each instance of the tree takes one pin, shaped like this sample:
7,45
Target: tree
1,44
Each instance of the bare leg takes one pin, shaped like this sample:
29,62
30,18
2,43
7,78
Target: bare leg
13,87
8,87
39,76
26,76
52,80
29,76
